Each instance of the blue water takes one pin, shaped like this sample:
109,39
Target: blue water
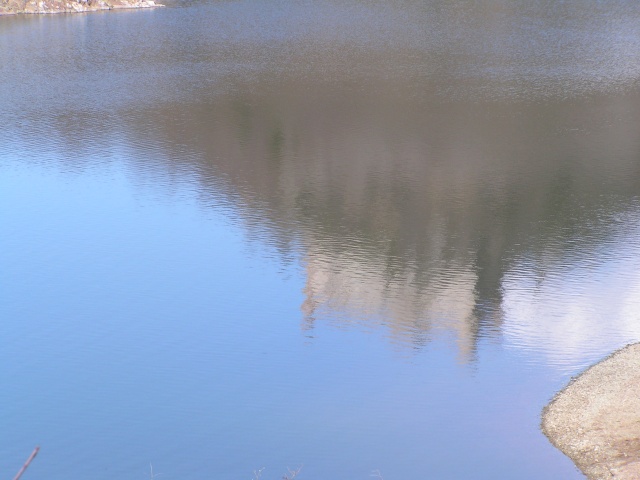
149,330
240,235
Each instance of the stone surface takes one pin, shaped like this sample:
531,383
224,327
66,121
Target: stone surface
595,420
8,7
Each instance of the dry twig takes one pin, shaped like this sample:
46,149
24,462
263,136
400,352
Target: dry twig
26,464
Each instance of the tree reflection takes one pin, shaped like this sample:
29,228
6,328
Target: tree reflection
411,215
414,156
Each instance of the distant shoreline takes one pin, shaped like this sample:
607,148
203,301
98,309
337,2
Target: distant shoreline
595,420
15,7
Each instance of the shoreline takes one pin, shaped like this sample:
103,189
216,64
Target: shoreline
595,419
46,7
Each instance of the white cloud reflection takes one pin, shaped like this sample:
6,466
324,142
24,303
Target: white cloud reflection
577,312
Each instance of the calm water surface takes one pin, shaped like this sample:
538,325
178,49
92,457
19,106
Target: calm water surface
352,236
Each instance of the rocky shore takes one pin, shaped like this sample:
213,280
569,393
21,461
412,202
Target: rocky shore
10,7
595,420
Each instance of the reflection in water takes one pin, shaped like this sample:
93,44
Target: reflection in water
581,308
439,170
432,216
422,173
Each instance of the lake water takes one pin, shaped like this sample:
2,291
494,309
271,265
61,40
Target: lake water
351,236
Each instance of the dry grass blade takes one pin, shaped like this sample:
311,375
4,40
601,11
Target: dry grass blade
291,474
27,463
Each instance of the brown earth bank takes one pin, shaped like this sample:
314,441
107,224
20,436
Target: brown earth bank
9,7
595,420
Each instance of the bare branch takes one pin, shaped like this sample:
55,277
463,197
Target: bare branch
26,464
